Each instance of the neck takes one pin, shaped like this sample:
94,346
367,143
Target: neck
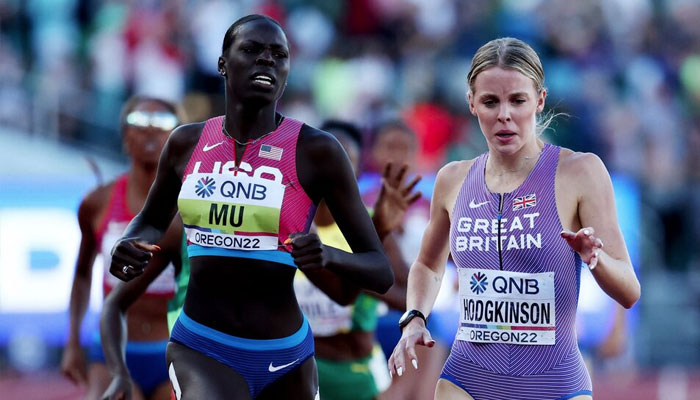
323,215
519,163
246,123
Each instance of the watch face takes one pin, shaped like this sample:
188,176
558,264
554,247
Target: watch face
404,317
408,316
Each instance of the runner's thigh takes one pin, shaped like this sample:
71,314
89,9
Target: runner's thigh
202,377
299,384
446,390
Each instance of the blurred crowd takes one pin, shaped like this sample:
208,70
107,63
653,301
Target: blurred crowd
625,75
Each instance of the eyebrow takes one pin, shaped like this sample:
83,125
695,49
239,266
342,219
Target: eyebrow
489,94
256,43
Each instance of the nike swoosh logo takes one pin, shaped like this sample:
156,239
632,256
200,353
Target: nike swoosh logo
476,205
272,368
207,147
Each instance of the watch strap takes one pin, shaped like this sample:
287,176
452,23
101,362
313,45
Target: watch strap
408,317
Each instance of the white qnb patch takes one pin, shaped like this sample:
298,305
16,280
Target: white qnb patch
233,211
506,307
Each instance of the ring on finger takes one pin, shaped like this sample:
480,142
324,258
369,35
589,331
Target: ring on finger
126,268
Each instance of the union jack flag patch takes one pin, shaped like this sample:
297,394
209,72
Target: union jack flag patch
271,152
524,202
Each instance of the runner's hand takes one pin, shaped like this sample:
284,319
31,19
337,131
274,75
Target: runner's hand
130,257
308,251
119,389
585,243
394,198
414,334
73,364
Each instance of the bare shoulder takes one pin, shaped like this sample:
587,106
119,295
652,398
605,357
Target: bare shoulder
448,182
97,198
180,146
581,167
185,137
453,172
94,204
316,147
314,141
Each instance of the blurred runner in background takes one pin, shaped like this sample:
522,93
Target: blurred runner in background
103,215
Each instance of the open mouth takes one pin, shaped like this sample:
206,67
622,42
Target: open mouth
263,79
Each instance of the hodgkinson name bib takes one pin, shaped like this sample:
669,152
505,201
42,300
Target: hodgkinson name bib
506,307
232,212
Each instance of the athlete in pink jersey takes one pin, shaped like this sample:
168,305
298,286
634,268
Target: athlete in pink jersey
521,219
247,185
103,216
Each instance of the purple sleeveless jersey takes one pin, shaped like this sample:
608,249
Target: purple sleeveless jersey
517,232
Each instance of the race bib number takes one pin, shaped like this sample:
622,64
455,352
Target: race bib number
233,212
506,307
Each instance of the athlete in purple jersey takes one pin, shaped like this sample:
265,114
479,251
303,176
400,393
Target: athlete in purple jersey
521,219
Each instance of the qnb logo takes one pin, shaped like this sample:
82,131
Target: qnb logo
478,283
205,187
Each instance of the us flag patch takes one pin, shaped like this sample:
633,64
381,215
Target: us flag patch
524,202
271,152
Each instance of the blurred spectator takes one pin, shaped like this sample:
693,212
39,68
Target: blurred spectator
434,128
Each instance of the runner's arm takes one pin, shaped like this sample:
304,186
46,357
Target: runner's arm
596,210
73,362
426,273
339,290
388,213
113,318
80,293
395,297
367,267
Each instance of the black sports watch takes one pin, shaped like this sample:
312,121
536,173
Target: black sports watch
408,316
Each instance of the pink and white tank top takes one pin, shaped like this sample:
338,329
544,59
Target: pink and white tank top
111,229
246,211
